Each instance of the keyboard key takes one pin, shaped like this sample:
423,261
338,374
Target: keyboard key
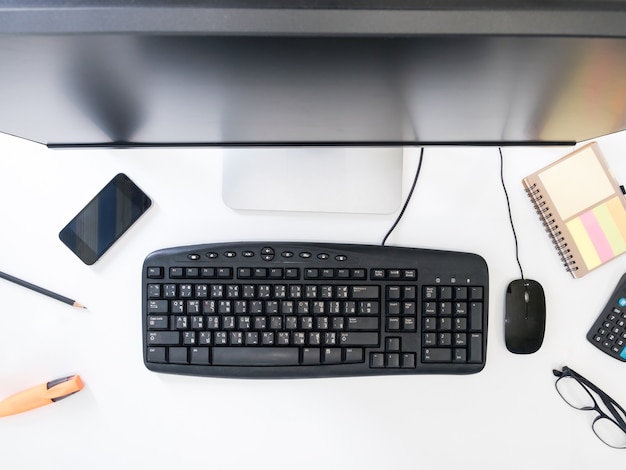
177,356
224,273
199,356
331,355
460,309
359,339
476,348
377,360
292,273
365,292
154,291
408,361
445,293
311,356
430,293
392,344
170,290
368,308
163,338
460,293
392,360
437,355
393,324
205,338
353,355
260,273
244,273
176,273
477,293
156,355
155,272
311,273
476,316
157,306
359,274
460,355
330,338
208,273
430,324
189,338
409,293
393,308
393,293
220,338
362,323
377,274
258,356
158,322
409,324
394,274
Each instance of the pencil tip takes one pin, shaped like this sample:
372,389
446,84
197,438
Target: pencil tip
78,305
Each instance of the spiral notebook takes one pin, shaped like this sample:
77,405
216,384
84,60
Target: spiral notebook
582,207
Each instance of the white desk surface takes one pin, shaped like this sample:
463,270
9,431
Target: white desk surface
507,416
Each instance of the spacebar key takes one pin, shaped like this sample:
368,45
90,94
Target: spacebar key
234,356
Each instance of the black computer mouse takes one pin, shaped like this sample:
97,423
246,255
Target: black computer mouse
524,316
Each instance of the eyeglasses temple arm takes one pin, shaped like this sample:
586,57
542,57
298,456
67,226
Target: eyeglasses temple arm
609,402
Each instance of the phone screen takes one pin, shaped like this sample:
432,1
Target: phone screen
105,218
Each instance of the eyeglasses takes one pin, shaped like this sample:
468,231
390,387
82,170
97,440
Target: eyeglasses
578,392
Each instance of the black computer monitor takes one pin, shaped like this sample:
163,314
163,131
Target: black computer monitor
296,74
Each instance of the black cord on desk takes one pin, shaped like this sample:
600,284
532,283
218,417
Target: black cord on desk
408,198
508,205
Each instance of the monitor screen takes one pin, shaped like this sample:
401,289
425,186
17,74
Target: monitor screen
131,80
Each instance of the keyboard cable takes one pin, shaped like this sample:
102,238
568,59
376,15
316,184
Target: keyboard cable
408,198
508,205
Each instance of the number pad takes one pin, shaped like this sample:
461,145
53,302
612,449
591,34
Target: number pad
449,315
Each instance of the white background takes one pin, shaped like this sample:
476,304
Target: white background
507,416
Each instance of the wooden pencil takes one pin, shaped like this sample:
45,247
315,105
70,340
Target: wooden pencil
41,290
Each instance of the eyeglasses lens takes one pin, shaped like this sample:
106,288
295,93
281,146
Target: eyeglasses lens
610,433
573,392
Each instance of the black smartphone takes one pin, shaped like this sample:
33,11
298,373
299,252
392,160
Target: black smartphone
105,219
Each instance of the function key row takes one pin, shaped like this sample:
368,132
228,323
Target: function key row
375,274
157,272
396,274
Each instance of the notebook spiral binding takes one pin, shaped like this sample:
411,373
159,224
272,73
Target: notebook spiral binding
552,228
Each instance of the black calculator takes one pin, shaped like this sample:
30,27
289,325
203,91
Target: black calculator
608,333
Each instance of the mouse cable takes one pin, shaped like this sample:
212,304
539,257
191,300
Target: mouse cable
408,198
508,205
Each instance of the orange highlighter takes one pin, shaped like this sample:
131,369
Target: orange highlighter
41,395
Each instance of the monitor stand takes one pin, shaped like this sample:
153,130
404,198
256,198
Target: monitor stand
313,179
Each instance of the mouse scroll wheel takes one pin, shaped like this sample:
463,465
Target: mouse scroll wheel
526,297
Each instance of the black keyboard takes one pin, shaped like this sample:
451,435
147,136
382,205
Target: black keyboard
277,310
